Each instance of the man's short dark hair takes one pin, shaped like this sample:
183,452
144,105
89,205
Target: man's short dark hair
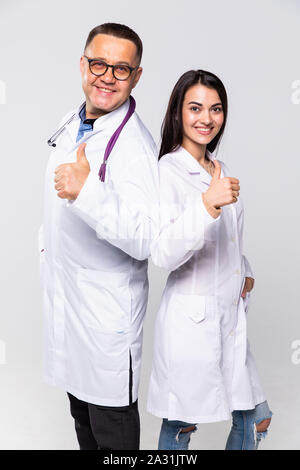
119,31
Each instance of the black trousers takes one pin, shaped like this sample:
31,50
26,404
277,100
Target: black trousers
106,427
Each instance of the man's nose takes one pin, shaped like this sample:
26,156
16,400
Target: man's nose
108,76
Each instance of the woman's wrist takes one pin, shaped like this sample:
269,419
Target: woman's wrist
213,211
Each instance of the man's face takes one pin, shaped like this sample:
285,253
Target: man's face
106,93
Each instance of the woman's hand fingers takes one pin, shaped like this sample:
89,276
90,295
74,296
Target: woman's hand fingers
248,286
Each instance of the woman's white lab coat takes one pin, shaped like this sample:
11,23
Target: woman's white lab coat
202,366
94,263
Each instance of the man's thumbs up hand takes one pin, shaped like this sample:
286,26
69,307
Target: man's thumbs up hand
221,191
81,157
70,177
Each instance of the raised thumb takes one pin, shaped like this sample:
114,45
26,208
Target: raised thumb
81,157
217,171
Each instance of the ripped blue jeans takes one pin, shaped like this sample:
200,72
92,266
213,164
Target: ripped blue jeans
243,434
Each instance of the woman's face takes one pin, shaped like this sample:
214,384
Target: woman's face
202,115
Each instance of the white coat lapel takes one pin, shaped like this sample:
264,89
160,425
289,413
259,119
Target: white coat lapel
197,173
109,120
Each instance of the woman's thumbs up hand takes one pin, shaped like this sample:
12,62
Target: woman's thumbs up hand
217,172
221,191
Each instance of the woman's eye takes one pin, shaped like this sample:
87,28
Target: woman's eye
194,108
218,109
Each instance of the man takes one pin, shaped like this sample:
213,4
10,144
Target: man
95,244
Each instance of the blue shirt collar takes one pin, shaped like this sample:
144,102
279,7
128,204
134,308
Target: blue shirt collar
82,115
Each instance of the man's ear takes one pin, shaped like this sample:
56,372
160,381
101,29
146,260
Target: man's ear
81,64
137,76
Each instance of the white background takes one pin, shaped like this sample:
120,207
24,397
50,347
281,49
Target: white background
254,47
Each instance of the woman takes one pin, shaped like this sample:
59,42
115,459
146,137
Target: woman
202,369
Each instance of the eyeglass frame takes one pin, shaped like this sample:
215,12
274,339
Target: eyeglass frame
113,68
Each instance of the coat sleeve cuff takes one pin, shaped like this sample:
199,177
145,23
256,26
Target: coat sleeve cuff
248,270
199,225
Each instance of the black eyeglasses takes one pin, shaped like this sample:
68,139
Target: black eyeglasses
99,67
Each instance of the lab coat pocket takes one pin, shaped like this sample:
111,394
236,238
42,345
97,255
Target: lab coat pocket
105,300
191,306
193,336
196,308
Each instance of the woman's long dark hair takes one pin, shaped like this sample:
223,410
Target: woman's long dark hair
172,128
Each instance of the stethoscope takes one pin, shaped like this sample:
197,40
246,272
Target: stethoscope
51,141
112,140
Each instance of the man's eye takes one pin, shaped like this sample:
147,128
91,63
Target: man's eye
98,64
121,69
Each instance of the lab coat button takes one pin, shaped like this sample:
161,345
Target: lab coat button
233,239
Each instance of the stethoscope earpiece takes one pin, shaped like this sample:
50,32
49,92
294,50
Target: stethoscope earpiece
54,137
51,144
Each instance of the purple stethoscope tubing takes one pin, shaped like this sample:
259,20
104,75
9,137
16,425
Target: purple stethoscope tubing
115,137
111,142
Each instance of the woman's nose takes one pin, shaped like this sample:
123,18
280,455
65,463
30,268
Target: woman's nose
205,118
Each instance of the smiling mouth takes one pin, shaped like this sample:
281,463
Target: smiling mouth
104,90
204,130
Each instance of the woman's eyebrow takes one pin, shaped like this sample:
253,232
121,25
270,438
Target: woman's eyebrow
200,104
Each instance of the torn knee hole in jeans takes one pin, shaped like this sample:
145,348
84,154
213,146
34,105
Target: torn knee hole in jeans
259,434
185,430
262,426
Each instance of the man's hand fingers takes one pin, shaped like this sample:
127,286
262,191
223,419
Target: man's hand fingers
58,169
62,194
61,167
59,186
